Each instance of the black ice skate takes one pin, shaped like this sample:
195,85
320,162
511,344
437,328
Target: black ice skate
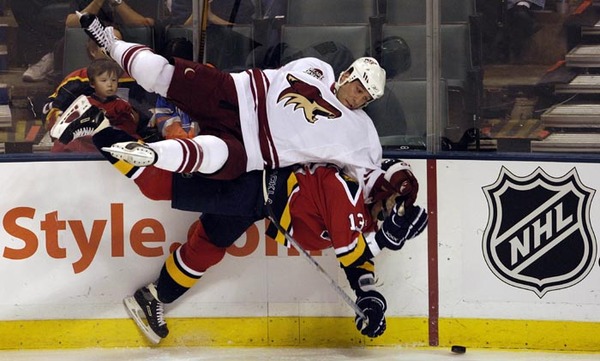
134,153
102,36
80,119
147,312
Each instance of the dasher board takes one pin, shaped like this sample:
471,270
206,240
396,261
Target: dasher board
568,142
583,83
572,116
584,56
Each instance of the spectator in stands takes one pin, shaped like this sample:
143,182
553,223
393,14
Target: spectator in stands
534,4
116,13
77,83
39,29
72,86
110,12
507,26
221,12
226,48
103,74
521,24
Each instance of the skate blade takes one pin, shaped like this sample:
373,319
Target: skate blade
136,313
74,111
139,160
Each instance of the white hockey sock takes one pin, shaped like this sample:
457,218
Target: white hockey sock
215,153
151,71
204,154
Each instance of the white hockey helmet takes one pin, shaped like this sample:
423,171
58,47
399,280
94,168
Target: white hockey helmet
370,74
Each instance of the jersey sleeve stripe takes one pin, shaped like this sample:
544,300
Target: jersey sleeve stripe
350,254
260,86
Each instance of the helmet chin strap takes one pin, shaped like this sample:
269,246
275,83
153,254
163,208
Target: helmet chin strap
341,81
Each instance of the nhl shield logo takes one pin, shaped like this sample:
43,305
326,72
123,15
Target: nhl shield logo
539,234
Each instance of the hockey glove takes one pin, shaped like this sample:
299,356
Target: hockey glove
373,305
400,226
400,180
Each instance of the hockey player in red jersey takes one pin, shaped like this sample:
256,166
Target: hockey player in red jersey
322,206
246,119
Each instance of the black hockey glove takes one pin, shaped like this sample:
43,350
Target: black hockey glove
373,305
400,226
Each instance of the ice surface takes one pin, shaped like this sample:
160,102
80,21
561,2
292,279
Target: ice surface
288,354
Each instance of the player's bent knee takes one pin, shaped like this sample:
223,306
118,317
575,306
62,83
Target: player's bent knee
152,72
215,153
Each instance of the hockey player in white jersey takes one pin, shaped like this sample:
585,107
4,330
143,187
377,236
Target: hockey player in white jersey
249,121
254,119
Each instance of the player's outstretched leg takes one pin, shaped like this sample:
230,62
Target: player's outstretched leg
133,152
151,71
102,36
204,153
147,312
80,119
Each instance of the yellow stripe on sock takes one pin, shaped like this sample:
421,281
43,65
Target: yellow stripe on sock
123,167
178,276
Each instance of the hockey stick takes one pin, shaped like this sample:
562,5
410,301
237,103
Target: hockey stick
343,295
199,30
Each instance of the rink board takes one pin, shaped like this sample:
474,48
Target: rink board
77,237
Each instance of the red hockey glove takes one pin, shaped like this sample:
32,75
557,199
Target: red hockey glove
398,180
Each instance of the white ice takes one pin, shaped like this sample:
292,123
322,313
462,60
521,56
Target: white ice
289,354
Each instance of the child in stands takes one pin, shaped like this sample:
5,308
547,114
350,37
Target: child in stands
103,77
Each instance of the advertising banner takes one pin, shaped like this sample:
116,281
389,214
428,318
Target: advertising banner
77,237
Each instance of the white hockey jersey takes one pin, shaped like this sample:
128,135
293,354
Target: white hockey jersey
291,116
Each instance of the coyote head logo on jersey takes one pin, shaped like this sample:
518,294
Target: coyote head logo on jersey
309,99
